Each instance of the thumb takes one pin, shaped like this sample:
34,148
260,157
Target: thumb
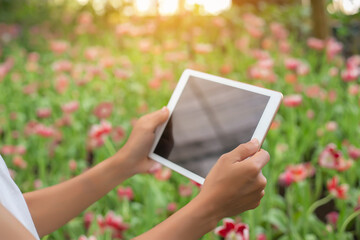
156,118
246,150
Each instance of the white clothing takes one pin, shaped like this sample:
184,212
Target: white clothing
12,199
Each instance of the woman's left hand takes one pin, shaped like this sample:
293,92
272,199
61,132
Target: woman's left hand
136,150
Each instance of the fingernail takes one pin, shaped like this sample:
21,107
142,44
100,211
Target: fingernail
255,141
164,109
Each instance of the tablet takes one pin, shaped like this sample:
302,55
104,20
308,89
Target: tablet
210,116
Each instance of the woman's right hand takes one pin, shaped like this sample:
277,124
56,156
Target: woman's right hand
235,183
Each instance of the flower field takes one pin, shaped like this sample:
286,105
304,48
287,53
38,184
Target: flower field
70,95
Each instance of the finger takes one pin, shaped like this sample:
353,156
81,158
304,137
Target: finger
156,118
246,150
258,161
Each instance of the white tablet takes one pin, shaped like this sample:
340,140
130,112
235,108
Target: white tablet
210,116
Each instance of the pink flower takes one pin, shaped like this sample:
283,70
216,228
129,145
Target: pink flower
185,190
203,48
332,218
44,131
171,207
19,162
8,149
118,134
278,31
333,48
122,74
85,18
38,184
72,165
334,71
163,174
296,173
43,112
292,100
83,237
70,107
231,230
58,46
62,66
339,191
103,110
92,53
331,158
350,74
261,236
115,222
331,126
315,43
88,218
302,69
292,63
98,133
125,193
354,152
354,89
61,83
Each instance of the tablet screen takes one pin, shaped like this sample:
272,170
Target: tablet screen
209,120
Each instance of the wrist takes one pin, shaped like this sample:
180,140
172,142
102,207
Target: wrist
120,165
206,210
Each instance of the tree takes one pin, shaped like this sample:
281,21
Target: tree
319,19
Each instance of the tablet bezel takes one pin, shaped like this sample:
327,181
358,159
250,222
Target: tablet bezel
260,132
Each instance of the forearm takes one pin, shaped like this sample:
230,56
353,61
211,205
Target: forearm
52,207
191,222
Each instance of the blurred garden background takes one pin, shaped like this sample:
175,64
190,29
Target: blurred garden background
70,68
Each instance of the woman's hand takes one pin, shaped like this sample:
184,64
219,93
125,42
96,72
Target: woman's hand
135,151
235,184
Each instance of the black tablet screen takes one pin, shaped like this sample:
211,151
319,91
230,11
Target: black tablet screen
209,120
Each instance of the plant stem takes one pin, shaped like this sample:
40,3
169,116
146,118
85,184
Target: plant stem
319,203
109,146
348,220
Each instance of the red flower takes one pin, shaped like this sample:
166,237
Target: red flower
296,173
331,158
231,230
114,223
125,193
292,100
118,134
339,191
88,218
103,110
98,133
